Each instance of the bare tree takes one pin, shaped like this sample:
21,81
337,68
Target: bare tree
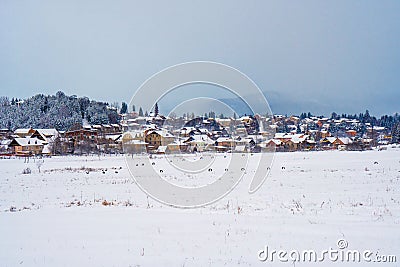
39,164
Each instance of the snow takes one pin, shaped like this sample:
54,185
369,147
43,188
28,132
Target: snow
28,141
22,131
48,132
309,201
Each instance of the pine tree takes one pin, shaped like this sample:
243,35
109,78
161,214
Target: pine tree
396,133
140,112
156,110
124,108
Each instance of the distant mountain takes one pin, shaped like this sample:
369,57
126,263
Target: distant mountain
285,103
278,103
53,111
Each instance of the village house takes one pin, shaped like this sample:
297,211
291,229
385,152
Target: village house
199,142
82,135
272,143
294,143
224,144
224,122
156,138
248,142
335,143
133,142
187,131
26,146
5,148
327,143
177,147
48,137
310,144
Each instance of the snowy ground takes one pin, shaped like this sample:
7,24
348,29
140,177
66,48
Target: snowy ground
73,214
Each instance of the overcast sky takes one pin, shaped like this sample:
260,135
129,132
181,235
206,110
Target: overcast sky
342,55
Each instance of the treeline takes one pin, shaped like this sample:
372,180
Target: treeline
388,121
54,111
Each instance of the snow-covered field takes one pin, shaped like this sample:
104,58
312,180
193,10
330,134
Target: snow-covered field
87,211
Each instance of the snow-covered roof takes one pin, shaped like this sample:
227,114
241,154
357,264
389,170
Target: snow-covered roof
203,130
28,141
135,142
255,137
280,135
353,121
223,120
48,132
376,128
162,149
345,140
113,137
275,141
186,130
22,131
224,139
5,142
163,133
245,118
240,148
200,138
331,139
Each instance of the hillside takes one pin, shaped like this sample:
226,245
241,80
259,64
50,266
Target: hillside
53,111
